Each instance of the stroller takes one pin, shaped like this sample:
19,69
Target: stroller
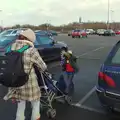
53,90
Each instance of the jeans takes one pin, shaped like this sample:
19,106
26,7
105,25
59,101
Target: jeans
21,110
68,77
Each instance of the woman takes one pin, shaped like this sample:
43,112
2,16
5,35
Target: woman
30,91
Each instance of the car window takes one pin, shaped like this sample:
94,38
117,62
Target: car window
14,32
114,58
6,32
41,32
75,30
4,40
44,40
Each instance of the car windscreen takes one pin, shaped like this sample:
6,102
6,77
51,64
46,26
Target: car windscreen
43,40
41,32
114,57
76,30
6,32
4,40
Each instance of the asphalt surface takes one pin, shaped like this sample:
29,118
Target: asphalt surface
92,51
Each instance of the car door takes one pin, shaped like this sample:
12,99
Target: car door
45,47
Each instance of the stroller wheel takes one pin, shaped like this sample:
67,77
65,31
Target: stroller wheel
51,113
68,100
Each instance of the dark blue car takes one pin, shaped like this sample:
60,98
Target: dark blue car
48,48
108,88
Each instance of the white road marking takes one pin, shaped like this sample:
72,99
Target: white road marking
91,109
85,97
90,58
91,51
54,65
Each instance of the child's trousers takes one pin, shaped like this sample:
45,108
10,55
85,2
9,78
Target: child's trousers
21,110
68,78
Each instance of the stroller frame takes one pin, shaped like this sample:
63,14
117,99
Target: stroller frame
48,96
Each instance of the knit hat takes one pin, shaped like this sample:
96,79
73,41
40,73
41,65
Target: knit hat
29,34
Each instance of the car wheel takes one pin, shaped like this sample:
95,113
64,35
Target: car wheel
72,36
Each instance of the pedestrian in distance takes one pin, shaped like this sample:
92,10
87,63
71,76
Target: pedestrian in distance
30,91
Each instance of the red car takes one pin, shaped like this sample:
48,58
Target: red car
117,32
83,33
79,33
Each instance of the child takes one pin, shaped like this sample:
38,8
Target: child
69,67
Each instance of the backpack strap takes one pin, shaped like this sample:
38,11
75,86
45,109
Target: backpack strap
23,48
19,50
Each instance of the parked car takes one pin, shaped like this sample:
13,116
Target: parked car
79,33
109,33
83,33
54,33
69,33
100,32
90,31
48,48
108,88
117,32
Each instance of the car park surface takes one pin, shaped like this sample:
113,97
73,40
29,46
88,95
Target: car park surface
92,52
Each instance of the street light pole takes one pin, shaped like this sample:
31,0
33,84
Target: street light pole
112,12
112,21
108,14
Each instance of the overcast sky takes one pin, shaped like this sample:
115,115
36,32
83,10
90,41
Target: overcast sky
56,12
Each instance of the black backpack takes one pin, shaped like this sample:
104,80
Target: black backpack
12,72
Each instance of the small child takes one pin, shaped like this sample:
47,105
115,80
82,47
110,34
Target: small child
69,68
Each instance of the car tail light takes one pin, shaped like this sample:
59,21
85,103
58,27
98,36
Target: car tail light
107,79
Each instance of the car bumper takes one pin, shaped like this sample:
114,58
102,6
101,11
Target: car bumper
108,98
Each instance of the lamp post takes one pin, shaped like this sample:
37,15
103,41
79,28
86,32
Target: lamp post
108,14
112,21
112,13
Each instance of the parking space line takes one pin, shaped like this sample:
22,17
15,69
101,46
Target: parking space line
85,97
91,51
54,65
90,58
91,109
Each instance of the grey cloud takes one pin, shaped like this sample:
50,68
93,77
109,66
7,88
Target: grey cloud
57,11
